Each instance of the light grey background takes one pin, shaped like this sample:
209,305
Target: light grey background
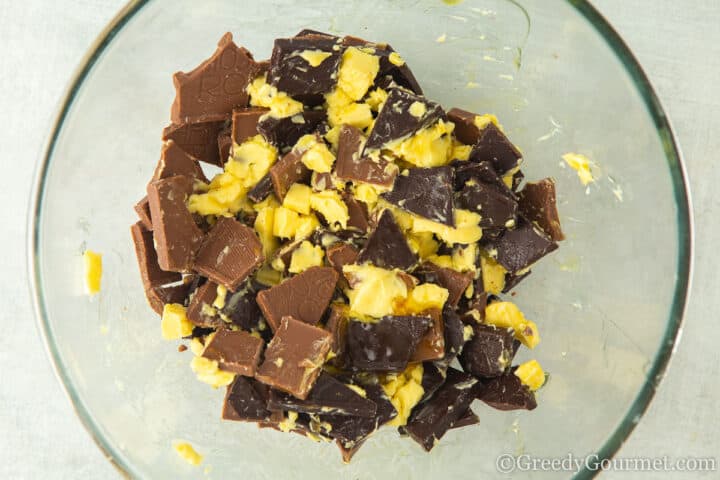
41,43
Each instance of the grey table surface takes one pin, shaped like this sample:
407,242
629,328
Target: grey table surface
41,43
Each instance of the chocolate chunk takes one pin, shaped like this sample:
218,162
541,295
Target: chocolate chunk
294,357
465,129
230,253
142,208
351,165
507,392
158,297
387,247
217,85
337,325
395,122
293,74
455,282
198,137
200,310
465,420
432,344
341,254
246,400
429,422
177,237
262,189
242,309
328,396
493,146
357,213
386,345
453,328
287,171
245,123
496,208
304,296
433,377
175,161
521,246
480,172
517,179
150,272
224,142
285,132
538,204
321,181
235,351
489,352
512,279
427,192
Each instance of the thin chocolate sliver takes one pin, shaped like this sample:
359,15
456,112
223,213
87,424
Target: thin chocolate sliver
224,143
539,205
387,247
357,213
200,310
512,280
454,335
495,147
150,272
337,325
198,137
262,189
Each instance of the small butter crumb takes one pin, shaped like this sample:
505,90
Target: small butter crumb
188,453
442,38
93,271
581,164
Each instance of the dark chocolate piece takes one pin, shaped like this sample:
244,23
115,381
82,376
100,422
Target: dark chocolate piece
432,345
387,247
285,132
235,351
351,165
217,85
242,309
454,335
341,254
294,357
467,419
246,400
357,213
291,73
150,272
328,396
175,161
288,170
433,377
200,310
427,192
198,137
465,129
517,179
395,122
230,253
489,352
142,208
480,172
245,123
507,392
455,282
429,422
304,296
496,208
224,143
520,247
385,345
493,146
512,279
262,189
538,204
177,237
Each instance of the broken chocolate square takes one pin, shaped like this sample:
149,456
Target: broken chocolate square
507,392
285,132
200,310
386,345
427,192
198,137
262,189
306,65
433,377
387,247
150,272
142,208
235,351
175,161
520,247
465,420
496,208
466,131
341,254
432,345
480,172
493,146
538,204
351,165
357,213
158,297
288,170
245,123
246,400
489,352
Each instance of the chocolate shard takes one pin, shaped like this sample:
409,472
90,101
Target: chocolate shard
230,253
357,213
328,396
493,146
387,247
395,122
517,179
386,345
235,351
507,392
224,143
427,192
520,247
175,161
285,132
341,254
480,172
432,345
454,335
262,189
288,170
305,296
538,204
337,325
455,282
200,310
291,70
150,272
496,208
246,401
489,352
198,137
466,419
294,357
245,123
433,377
351,165
512,279
177,237
217,85
241,308
142,208
429,422
465,129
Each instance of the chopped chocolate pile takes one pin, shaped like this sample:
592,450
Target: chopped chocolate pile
356,245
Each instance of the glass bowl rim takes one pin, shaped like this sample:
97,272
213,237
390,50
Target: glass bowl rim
673,154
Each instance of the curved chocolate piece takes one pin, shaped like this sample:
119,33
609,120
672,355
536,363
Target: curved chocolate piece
520,247
507,392
285,132
489,352
495,147
496,208
291,73
538,204
427,192
387,247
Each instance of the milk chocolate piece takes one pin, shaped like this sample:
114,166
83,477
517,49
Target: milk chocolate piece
230,253
455,282
489,352
538,204
351,165
245,123
496,208
466,419
321,181
328,396
235,351
429,422
200,310
217,85
285,132
246,401
291,73
454,335
177,237
294,357
158,297
242,309
387,247
357,213
224,142
337,325
198,137
142,208
520,247
262,189
493,146
304,296
150,272
341,254
507,392
288,170
175,161
432,345
465,129
427,192
385,345
395,122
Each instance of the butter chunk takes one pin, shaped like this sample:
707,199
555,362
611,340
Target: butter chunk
207,371
329,204
262,94
298,198
581,164
264,225
306,255
188,453
430,147
467,228
306,225
285,222
374,291
531,374
508,315
93,271
493,275
175,324
424,297
404,391
357,73
317,157
482,121
376,99
315,57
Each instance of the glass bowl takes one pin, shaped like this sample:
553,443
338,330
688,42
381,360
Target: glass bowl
609,303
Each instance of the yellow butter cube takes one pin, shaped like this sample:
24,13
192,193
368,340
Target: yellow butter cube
531,374
404,390
430,147
482,121
376,99
188,453
285,222
306,255
207,371
357,72
493,275
307,224
298,198
374,291
467,228
265,95
508,315
93,271
175,324
330,205
424,297
264,223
